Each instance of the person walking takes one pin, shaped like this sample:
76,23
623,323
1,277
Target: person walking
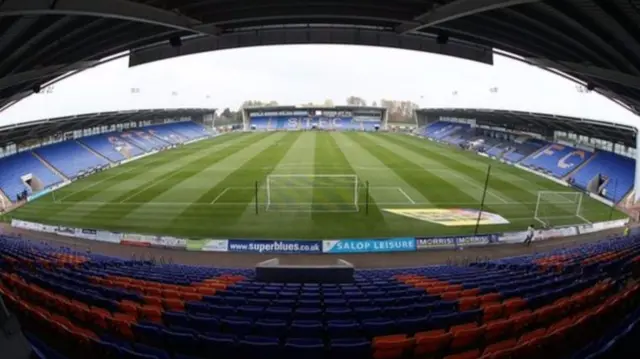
530,234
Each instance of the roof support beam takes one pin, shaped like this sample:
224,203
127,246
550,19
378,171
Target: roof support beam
114,9
43,72
456,10
572,68
306,35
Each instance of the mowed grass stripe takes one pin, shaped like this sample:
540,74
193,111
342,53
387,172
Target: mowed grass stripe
384,184
102,191
468,179
120,205
510,173
432,187
187,169
527,185
189,191
526,195
288,190
331,160
84,189
470,165
256,169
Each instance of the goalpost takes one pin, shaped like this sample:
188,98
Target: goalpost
312,193
557,208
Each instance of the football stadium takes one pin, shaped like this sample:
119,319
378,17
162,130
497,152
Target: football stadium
322,174
318,231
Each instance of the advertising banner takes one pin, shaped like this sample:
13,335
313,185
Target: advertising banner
26,225
270,246
65,231
137,240
35,196
369,245
169,242
455,241
215,245
555,232
110,237
90,234
513,237
601,226
49,229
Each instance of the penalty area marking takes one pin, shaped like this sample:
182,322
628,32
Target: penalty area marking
406,195
220,195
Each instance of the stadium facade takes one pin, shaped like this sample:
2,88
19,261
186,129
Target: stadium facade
314,117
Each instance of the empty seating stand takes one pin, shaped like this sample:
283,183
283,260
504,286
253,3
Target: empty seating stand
188,129
70,158
164,133
619,169
261,123
16,166
521,150
441,129
557,160
551,305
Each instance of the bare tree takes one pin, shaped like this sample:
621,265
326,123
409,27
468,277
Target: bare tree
356,101
399,111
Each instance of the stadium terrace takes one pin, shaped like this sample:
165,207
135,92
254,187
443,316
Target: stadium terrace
152,234
172,181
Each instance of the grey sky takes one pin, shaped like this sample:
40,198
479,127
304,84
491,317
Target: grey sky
312,73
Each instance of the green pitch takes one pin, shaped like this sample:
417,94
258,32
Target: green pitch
306,184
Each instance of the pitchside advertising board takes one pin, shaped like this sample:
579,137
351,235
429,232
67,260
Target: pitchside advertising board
456,241
272,246
402,244
407,244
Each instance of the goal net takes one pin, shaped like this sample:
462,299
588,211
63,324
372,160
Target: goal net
559,208
312,193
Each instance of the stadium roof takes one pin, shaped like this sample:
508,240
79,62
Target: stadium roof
47,127
314,107
597,41
541,123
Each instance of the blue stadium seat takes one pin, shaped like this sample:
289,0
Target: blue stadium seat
24,163
557,160
620,171
70,158
304,348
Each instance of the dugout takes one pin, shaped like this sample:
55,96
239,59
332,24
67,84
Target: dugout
277,270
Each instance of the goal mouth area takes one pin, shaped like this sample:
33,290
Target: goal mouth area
312,193
554,205
312,207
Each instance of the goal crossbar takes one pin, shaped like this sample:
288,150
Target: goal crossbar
299,192
563,204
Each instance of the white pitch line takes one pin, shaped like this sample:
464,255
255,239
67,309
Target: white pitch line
115,174
96,183
144,188
220,195
406,195
500,198
428,204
